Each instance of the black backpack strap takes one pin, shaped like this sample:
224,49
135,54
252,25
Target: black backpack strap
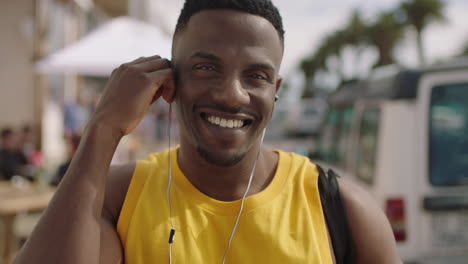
335,216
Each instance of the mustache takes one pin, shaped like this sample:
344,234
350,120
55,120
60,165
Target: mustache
231,110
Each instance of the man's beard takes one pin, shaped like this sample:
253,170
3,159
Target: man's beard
217,160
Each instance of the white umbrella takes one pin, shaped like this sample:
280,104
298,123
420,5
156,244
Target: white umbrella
118,41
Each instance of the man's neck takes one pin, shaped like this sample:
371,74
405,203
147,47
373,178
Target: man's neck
228,183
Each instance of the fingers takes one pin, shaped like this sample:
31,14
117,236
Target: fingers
154,65
160,77
136,62
163,80
146,64
153,73
144,59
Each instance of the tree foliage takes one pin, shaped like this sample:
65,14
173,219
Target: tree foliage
385,34
465,50
419,14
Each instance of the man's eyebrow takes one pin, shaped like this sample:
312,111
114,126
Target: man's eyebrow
205,55
209,56
262,66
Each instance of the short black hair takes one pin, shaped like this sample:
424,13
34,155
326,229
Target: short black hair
27,128
6,132
263,8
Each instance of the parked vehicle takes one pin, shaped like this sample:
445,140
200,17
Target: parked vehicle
306,117
403,135
297,119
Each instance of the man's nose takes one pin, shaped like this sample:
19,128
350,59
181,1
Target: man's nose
232,93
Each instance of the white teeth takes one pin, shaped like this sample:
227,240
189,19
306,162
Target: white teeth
226,123
223,123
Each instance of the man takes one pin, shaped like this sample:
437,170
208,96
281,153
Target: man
226,59
12,160
76,114
29,148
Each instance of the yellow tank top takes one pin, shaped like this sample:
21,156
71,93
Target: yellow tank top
282,224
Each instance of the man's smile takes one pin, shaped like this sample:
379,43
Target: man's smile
218,124
225,122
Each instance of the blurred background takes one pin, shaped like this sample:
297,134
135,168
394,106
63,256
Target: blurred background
377,90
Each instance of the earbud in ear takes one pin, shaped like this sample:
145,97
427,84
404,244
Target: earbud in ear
276,98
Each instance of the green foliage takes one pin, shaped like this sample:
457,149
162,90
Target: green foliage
330,49
465,50
420,13
385,34
309,67
356,30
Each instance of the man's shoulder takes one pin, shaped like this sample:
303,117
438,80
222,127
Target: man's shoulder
118,181
356,198
294,158
371,231
120,177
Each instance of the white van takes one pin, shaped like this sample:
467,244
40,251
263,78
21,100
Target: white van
403,135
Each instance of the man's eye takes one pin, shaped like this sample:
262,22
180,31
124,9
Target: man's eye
205,68
259,76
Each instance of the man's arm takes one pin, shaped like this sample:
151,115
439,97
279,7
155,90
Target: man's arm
373,237
69,230
116,188
72,229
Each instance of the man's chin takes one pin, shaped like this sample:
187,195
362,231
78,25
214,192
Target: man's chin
224,159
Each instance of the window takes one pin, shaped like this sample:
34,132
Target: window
448,135
334,139
326,147
346,119
367,145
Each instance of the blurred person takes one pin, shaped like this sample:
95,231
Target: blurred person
223,79
29,146
72,144
12,160
76,114
27,139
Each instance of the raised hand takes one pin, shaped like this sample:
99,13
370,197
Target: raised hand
130,91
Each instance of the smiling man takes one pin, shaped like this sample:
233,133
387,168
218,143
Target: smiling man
219,197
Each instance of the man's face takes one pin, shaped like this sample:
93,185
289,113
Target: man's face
227,76
10,142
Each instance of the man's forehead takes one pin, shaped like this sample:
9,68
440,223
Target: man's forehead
226,16
227,29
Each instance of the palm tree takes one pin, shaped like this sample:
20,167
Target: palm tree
419,14
308,67
385,34
330,52
356,30
465,50
356,37
327,58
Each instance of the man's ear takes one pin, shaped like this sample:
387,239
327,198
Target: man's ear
278,84
168,92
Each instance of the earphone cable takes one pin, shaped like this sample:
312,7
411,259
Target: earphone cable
168,193
234,229
169,183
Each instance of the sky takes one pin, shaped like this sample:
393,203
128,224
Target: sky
307,22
